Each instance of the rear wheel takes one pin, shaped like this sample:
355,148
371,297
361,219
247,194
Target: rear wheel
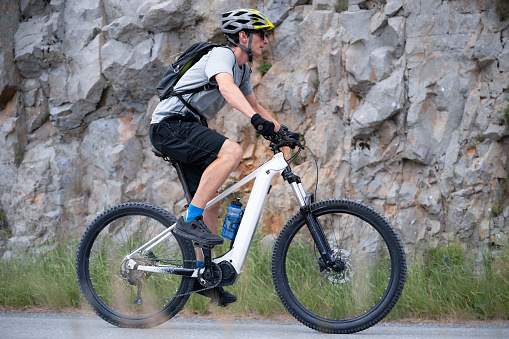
370,274
124,296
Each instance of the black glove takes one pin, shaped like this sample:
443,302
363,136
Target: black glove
262,126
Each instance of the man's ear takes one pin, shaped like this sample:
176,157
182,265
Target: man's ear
243,36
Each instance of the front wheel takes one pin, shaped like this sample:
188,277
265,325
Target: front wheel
366,286
125,296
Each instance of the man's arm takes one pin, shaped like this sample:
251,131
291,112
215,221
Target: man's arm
248,105
251,98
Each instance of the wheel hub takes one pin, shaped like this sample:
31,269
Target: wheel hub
134,276
342,270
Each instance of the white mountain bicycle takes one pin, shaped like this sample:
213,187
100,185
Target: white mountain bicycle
338,265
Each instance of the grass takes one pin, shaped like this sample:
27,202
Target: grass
41,280
254,290
503,198
443,283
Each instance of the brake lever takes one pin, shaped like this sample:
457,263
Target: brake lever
290,142
282,138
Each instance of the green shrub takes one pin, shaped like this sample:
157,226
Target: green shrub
264,67
341,6
503,9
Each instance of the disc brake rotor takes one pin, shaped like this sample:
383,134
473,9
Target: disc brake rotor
135,277
346,273
132,276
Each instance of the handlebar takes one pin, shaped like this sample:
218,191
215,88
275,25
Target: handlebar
284,138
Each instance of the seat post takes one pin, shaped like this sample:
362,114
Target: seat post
178,167
182,179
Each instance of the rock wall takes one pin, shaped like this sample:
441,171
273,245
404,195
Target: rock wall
402,102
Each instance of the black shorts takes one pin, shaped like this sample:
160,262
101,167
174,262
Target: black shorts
191,142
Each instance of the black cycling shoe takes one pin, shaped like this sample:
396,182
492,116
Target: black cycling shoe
196,230
218,295
226,297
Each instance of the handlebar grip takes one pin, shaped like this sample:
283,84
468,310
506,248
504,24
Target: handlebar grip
285,138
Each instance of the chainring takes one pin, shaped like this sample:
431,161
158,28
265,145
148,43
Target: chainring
217,276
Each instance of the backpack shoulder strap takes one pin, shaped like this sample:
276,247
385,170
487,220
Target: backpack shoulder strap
198,89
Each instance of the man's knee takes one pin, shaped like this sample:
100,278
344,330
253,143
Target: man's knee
232,151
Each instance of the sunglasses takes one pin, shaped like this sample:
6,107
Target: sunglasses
262,34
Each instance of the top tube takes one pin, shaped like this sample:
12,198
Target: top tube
276,164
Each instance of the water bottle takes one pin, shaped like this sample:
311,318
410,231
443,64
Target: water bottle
231,222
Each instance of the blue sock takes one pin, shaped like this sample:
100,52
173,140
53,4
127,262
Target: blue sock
193,212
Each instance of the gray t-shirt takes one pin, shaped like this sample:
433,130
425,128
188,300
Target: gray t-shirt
207,102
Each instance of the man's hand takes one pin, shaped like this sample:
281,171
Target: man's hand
262,126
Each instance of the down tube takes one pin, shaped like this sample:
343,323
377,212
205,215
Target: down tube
252,215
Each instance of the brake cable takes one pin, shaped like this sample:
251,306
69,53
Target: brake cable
316,166
296,154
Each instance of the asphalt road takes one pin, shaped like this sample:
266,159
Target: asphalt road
18,325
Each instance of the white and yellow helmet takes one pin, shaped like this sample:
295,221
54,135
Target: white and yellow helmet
244,19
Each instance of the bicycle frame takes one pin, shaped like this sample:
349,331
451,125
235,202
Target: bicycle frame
263,175
357,277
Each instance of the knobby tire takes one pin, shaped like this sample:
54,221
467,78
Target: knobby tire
113,295
363,292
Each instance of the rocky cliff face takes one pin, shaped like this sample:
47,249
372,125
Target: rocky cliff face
401,101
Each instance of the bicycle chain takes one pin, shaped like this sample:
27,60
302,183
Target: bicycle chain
183,294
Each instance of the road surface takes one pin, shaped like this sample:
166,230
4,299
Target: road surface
19,325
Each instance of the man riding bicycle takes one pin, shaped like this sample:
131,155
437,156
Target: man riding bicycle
207,157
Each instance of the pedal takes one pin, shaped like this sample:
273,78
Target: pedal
213,294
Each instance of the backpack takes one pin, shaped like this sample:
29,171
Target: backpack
186,60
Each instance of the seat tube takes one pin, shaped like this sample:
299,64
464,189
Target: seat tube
182,178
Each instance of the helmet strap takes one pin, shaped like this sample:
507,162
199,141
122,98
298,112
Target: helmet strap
248,49
249,54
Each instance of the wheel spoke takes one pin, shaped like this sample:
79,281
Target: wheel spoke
111,287
346,295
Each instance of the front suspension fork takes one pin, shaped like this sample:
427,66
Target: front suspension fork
313,224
